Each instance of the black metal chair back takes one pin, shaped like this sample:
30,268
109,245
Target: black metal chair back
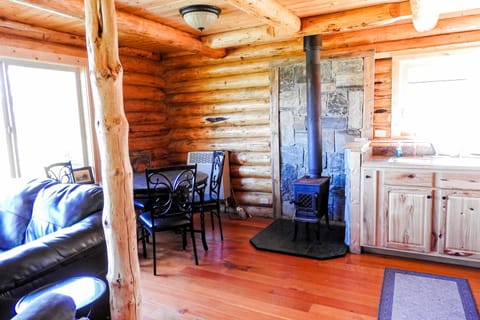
170,205
60,171
210,200
216,175
171,190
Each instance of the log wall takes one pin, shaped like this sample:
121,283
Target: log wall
143,82
175,104
225,104
382,113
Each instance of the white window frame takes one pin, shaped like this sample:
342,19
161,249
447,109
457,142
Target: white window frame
400,63
27,57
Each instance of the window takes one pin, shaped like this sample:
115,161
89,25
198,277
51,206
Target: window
43,118
435,98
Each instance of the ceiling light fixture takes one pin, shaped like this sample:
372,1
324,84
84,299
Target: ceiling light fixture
200,16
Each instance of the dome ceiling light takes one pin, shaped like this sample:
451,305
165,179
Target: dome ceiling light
200,16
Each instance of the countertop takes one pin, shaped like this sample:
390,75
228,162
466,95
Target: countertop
425,162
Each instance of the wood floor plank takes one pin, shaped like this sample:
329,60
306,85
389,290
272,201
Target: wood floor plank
236,281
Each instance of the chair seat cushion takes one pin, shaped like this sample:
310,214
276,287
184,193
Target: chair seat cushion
167,223
306,217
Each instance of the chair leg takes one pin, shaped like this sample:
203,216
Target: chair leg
144,242
184,238
154,247
327,222
192,233
295,227
202,230
211,220
219,221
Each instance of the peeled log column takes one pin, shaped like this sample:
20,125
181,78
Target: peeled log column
119,221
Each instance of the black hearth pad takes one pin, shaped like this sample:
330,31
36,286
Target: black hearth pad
277,237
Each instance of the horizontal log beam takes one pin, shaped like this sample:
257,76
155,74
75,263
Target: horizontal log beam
250,158
220,133
252,184
271,13
272,51
146,93
143,79
333,22
219,70
128,23
260,79
233,145
355,19
245,172
254,198
260,93
218,108
141,105
41,34
400,32
147,118
234,119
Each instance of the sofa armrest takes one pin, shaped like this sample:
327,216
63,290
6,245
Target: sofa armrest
28,263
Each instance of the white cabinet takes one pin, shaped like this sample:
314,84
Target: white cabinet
407,209
368,227
408,218
425,211
460,223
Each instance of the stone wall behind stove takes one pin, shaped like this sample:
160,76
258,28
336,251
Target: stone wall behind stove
342,108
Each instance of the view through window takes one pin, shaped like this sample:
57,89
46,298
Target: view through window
435,99
43,120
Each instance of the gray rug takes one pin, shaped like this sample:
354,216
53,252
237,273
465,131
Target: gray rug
277,237
413,295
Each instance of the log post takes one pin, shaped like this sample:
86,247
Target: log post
112,130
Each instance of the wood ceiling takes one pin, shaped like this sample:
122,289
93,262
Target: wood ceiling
156,25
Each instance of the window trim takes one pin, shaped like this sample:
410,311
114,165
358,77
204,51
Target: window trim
398,74
28,57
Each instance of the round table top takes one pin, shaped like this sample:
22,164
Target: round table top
83,290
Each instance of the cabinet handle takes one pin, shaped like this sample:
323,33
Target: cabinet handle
429,197
368,176
444,198
411,176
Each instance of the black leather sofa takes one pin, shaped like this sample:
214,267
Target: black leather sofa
48,232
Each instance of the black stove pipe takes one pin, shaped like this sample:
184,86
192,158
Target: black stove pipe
312,46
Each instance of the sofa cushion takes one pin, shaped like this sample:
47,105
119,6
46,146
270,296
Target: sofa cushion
16,202
60,206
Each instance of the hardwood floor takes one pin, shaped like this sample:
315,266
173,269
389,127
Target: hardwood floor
236,281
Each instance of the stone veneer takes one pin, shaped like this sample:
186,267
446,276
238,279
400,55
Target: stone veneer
342,108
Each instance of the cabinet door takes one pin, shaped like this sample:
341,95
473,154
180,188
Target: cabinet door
408,218
461,223
368,235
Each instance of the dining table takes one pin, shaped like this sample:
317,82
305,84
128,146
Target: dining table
140,181
140,194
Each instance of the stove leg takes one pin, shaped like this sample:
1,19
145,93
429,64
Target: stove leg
295,228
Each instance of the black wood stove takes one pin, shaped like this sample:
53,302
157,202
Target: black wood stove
311,191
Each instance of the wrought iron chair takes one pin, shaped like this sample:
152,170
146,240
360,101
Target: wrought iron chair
171,193
210,199
60,171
